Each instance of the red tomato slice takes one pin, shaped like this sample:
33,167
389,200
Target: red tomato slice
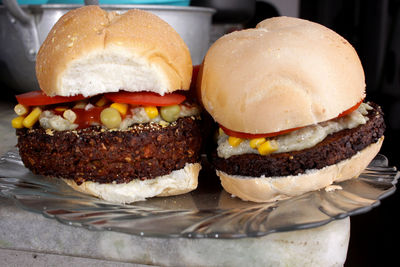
350,110
145,98
38,98
251,136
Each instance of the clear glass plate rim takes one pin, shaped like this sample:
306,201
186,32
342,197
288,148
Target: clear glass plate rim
220,235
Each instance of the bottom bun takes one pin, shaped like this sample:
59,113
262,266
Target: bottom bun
177,182
268,189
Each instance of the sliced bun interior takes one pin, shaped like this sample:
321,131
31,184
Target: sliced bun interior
285,73
90,51
267,189
176,183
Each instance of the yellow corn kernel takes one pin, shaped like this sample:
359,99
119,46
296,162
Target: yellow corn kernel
234,141
101,102
151,111
256,142
268,147
17,122
60,109
122,108
20,110
32,118
80,104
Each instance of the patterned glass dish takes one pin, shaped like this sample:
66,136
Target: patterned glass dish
208,212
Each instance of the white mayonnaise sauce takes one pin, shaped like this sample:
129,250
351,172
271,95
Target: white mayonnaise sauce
300,139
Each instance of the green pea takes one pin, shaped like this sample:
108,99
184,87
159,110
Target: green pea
110,118
170,113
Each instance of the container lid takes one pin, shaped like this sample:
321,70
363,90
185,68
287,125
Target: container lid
107,2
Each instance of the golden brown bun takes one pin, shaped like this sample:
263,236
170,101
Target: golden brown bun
285,73
267,189
176,183
90,51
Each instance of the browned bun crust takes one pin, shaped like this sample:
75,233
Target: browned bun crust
267,189
285,73
90,51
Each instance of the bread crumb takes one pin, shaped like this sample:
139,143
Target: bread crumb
331,188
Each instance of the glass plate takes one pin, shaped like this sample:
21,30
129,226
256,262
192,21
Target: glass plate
208,212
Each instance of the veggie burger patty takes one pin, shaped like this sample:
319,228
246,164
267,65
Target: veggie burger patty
144,151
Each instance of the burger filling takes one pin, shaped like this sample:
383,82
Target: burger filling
99,111
303,138
335,147
110,138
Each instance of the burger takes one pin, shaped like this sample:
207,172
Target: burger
112,118
289,99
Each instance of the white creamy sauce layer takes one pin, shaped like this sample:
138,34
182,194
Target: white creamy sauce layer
49,120
300,139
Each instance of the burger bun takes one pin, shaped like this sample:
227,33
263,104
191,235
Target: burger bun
177,182
285,73
268,189
90,51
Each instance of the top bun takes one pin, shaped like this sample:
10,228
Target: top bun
90,51
285,73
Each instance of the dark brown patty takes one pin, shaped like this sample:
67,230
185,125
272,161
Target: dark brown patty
333,149
105,156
